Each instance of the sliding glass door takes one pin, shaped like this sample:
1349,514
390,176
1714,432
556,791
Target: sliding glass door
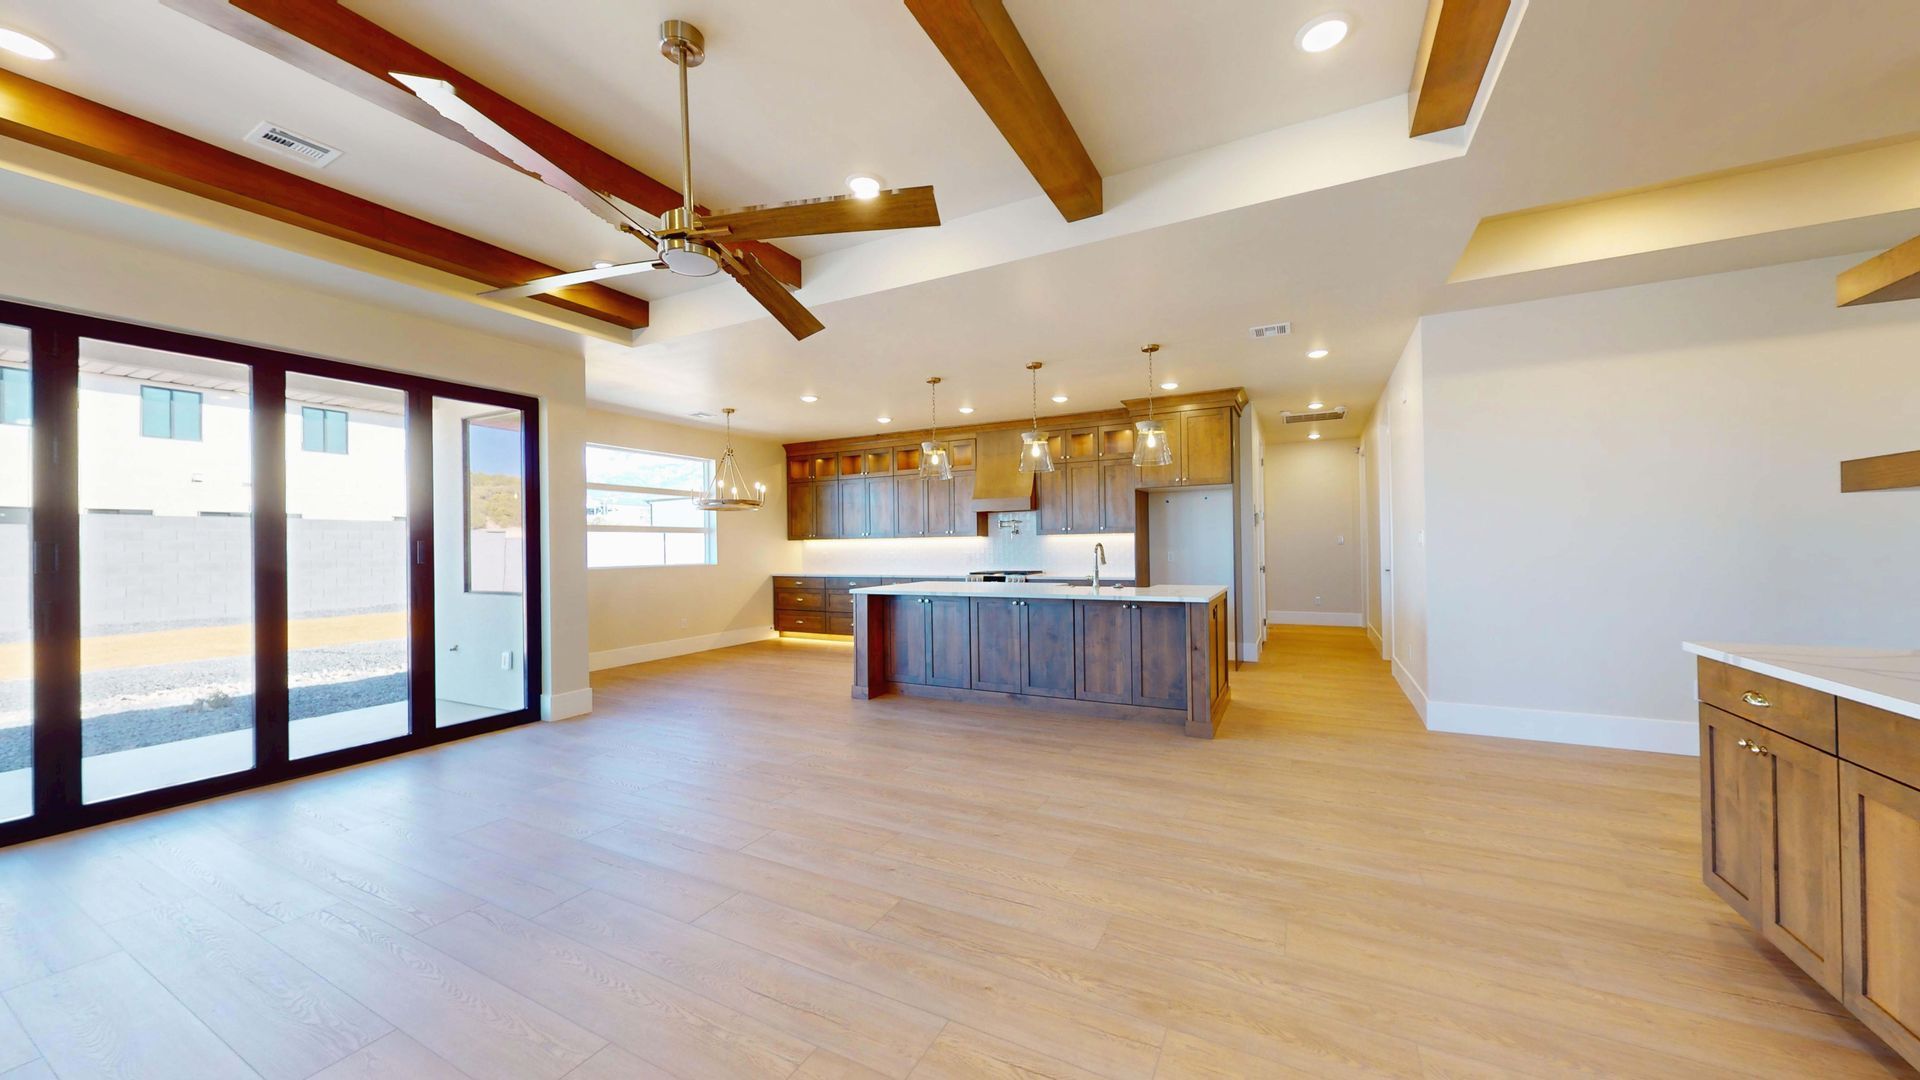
16,574
166,569
246,566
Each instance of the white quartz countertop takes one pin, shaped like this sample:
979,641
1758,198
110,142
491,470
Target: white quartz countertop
1159,594
1884,678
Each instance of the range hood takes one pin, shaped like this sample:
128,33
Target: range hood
998,484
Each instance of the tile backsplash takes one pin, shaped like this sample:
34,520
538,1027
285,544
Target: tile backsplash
1004,548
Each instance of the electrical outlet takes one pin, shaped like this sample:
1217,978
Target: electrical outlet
506,661
1316,601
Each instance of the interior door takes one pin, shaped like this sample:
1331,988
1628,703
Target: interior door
1046,642
1160,679
997,646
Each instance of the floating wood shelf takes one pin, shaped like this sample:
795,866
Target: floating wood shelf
1881,473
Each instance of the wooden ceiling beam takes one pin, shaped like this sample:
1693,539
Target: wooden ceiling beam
56,120
985,49
325,39
1455,49
1893,274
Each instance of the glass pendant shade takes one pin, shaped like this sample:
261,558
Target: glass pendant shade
936,460
730,490
1150,445
1036,455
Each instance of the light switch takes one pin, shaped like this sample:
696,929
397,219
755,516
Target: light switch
1340,539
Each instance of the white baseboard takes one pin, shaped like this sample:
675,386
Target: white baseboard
1416,693
566,704
1379,643
1313,618
1578,729
660,650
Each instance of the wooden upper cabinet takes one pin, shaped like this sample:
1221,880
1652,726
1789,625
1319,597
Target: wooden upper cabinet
1050,494
910,505
800,523
880,506
826,509
1116,440
965,452
1079,444
1118,482
1166,475
1880,898
1083,496
1206,447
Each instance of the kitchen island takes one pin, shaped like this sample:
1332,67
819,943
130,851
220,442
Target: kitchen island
1157,653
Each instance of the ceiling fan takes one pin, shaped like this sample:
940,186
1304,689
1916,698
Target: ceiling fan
686,242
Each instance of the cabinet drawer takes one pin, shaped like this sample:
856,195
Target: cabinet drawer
1788,708
1885,742
840,600
799,600
812,622
846,583
799,583
840,624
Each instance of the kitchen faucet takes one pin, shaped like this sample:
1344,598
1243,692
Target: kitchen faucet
1099,560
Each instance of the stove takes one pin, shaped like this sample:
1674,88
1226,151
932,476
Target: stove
1003,575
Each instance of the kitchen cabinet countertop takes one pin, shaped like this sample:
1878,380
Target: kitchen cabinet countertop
1884,678
1160,594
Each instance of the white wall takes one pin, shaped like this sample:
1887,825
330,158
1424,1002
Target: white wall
1314,544
646,612
1612,473
83,271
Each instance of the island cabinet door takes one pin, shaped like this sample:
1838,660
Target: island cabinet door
1160,672
949,640
997,646
1800,895
906,638
1046,644
1732,828
1107,651
1880,894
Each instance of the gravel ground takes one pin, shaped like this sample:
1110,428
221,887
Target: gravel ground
133,707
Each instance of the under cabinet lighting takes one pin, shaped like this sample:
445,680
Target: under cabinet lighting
1322,33
1317,354
26,45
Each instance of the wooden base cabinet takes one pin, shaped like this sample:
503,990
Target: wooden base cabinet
1132,654
1023,647
929,640
1818,850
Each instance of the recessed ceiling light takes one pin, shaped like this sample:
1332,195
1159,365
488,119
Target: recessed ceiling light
1313,434
809,398
1169,386
1322,33
966,410
26,45
1059,399
883,419
1317,354
602,266
863,187
1316,405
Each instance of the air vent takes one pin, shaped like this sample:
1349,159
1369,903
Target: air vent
1338,412
1279,329
282,141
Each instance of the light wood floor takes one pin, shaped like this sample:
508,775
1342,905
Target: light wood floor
733,870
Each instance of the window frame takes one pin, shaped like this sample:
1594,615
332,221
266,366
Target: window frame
174,396
711,528
326,440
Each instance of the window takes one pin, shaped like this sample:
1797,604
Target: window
16,396
496,515
323,431
169,414
641,512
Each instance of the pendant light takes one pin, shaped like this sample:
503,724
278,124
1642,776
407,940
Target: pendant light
730,490
1036,456
936,457
1150,446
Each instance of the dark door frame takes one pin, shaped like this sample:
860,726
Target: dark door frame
55,576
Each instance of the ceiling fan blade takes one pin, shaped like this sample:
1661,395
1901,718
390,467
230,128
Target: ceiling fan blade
445,100
578,277
772,295
902,208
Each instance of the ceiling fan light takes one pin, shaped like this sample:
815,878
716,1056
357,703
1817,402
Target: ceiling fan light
1036,456
689,258
1150,446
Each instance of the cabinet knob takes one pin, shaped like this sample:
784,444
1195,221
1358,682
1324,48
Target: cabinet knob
1755,699
1742,744
1756,748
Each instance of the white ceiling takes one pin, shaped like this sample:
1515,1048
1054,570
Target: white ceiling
1593,98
